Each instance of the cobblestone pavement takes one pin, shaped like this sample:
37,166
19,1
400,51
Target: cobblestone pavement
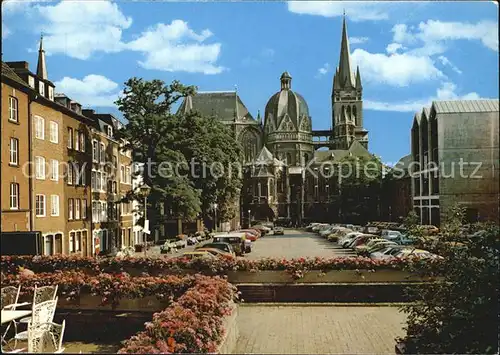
295,244
318,329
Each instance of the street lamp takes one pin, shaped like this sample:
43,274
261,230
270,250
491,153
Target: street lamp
145,190
249,219
214,206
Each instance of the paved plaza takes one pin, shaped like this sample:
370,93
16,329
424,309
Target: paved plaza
295,244
318,329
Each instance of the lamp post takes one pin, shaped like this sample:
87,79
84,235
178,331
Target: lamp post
214,206
249,219
145,190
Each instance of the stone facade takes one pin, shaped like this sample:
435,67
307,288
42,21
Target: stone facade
278,151
455,147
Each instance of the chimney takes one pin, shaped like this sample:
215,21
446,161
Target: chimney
18,65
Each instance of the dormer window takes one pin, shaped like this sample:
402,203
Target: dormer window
51,93
41,88
31,81
110,131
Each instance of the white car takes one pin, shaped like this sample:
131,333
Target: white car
327,231
348,238
390,235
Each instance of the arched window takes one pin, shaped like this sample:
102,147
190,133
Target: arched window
249,144
306,158
348,113
354,115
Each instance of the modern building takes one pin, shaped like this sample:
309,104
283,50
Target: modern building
455,151
278,150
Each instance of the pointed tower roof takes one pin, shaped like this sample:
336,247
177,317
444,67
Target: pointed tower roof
358,79
345,74
41,69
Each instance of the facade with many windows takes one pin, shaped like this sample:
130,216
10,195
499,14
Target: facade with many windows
455,147
61,182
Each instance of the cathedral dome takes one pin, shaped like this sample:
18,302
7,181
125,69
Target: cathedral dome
287,111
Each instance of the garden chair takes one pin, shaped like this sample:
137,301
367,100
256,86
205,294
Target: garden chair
42,313
42,294
10,297
46,337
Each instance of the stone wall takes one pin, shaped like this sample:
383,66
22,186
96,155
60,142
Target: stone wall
232,333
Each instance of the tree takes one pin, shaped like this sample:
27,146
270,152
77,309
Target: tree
457,314
360,182
177,150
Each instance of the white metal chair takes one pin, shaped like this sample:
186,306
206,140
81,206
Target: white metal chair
46,337
10,298
42,313
42,294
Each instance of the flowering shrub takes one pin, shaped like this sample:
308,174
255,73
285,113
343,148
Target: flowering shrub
110,287
218,266
193,324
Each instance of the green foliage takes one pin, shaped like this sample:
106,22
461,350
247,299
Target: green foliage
173,148
458,314
360,179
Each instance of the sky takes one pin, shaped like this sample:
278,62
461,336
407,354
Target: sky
409,53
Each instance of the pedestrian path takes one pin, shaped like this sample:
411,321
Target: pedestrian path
292,329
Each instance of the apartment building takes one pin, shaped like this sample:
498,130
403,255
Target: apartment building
58,155
137,208
15,155
455,155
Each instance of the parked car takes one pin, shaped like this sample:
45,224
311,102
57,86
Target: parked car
236,239
262,228
216,252
311,226
379,246
318,226
405,240
279,231
390,234
362,248
344,242
361,239
250,234
387,252
248,246
327,231
217,245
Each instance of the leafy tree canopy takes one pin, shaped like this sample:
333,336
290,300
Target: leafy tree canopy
180,151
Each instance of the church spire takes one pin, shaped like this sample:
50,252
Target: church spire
41,69
358,79
345,59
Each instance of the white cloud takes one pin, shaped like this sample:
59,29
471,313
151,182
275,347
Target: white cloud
396,69
447,91
80,28
92,90
176,47
268,53
5,31
358,40
446,62
323,70
430,38
355,11
393,48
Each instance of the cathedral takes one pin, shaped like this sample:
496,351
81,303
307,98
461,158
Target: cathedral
281,150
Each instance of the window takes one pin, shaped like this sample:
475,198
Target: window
110,131
114,187
84,209
93,178
115,162
51,93
128,175
77,209
70,208
54,167
71,242
94,211
103,181
70,138
40,168
54,205
77,140
41,88
39,127
98,181
83,176
70,173
14,151
95,151
76,172
31,81
77,241
122,174
81,137
102,153
54,132
14,196
40,206
13,109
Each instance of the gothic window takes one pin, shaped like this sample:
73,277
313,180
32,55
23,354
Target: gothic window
249,145
354,115
349,113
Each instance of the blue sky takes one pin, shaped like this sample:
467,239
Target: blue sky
409,53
